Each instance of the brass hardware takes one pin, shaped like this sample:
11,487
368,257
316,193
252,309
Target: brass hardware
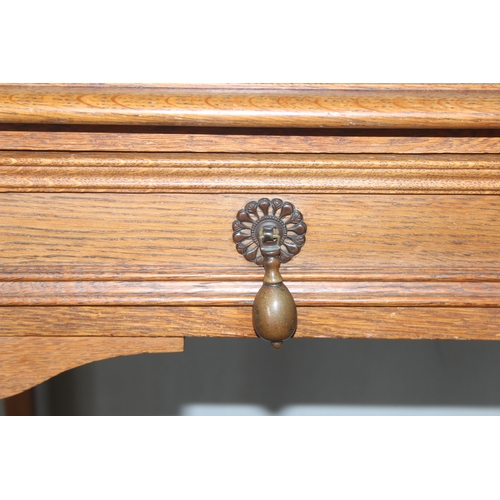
269,232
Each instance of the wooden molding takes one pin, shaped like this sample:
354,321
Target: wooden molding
210,142
207,273
28,361
425,106
247,173
234,293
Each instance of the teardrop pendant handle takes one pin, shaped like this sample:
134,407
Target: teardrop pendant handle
269,233
274,313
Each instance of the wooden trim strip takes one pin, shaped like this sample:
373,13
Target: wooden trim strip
206,143
191,293
314,322
313,106
229,173
28,361
121,180
232,161
311,181
255,273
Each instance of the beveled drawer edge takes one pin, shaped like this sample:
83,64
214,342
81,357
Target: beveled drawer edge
165,272
235,293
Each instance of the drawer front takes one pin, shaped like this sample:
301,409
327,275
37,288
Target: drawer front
176,250
181,237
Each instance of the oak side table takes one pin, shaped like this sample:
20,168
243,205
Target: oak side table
135,216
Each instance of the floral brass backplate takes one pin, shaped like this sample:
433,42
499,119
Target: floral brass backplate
284,215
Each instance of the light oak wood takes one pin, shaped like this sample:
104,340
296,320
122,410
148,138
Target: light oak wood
183,161
182,234
239,143
116,206
336,107
226,173
28,361
194,272
150,323
210,293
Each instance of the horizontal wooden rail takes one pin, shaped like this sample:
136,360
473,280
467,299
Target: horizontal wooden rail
239,143
426,106
210,293
253,161
129,325
246,173
205,273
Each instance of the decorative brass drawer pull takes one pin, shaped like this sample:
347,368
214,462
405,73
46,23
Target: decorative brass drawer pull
269,232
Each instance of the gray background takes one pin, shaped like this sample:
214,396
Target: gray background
306,376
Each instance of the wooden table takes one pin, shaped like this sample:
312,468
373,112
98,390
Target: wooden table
117,204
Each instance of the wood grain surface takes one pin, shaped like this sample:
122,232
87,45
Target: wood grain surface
194,272
250,161
28,361
237,173
46,341
181,234
124,195
314,106
231,293
240,143
127,324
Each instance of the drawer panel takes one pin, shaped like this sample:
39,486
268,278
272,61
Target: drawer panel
179,236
